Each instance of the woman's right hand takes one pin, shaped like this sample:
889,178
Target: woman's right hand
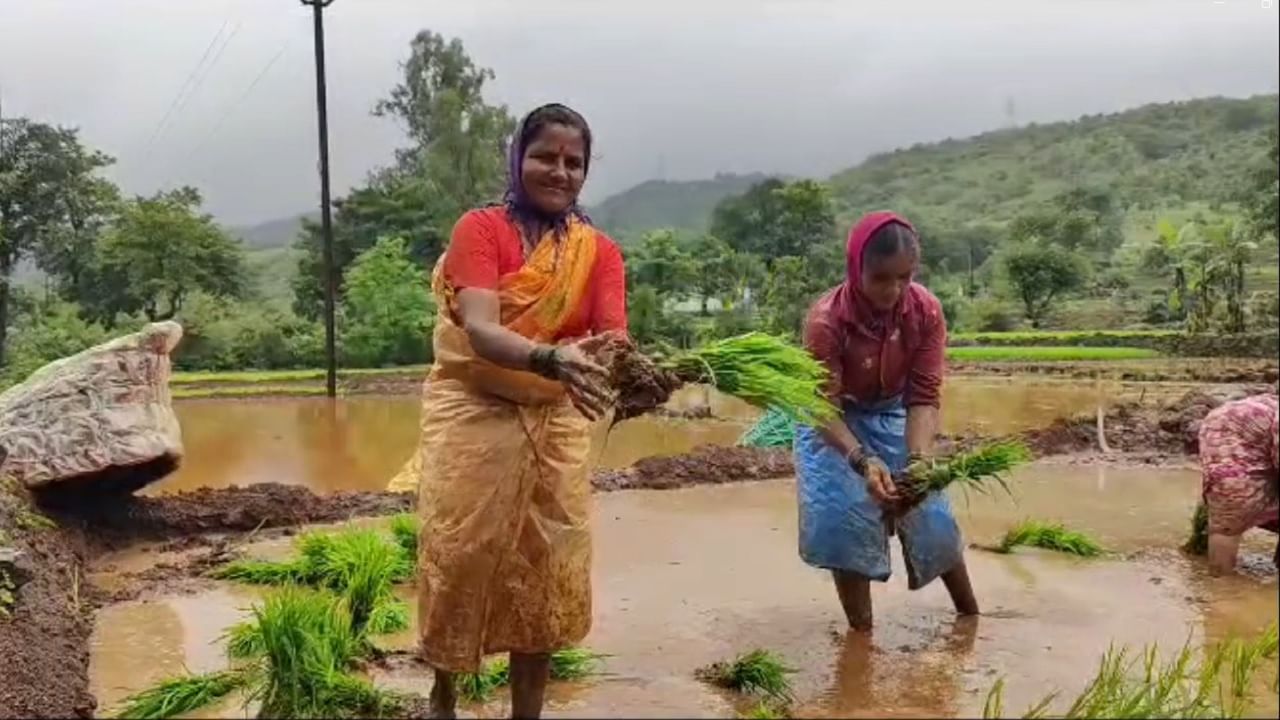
586,382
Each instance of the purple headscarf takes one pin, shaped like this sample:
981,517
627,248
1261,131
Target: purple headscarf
522,209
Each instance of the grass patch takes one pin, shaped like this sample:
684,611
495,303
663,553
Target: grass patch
1049,536
405,529
242,391
1048,354
1215,683
767,710
1198,542
758,672
567,664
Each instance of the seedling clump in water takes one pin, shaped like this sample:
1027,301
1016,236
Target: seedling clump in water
1144,687
567,664
757,672
1049,536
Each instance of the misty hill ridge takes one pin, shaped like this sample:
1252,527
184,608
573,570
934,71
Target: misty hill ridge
1162,155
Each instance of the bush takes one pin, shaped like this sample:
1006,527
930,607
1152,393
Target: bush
1264,310
44,334
991,315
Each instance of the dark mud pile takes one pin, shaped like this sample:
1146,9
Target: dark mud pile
46,621
264,505
704,466
1157,432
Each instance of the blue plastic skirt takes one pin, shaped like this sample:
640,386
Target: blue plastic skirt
841,526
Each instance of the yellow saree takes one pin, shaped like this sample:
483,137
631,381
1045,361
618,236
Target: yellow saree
502,478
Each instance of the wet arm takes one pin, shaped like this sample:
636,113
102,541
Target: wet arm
478,310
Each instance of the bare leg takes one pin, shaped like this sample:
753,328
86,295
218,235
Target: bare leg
855,597
1223,553
957,581
528,684
444,699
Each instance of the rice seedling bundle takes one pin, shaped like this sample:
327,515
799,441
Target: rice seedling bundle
1198,542
978,470
182,695
759,672
764,370
1215,683
1049,536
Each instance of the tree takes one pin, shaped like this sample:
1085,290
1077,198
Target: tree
162,248
46,178
1262,201
713,268
660,262
1231,250
776,219
455,160
387,308
788,293
1041,272
1164,256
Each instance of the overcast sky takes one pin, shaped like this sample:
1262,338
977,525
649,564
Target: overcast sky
679,89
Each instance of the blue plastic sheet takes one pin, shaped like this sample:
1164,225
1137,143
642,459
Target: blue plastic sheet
841,524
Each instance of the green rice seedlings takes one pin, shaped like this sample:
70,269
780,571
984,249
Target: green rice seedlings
405,529
773,429
182,695
1198,542
763,370
1214,683
259,572
759,672
1049,536
975,469
389,616
566,664
767,710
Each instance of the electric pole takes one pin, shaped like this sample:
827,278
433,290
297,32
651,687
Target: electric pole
326,220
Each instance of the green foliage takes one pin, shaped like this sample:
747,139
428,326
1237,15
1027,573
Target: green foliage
1049,536
387,311
182,695
763,370
756,672
162,249
46,333
661,262
405,529
776,218
1217,684
767,709
51,202
455,161
1039,273
227,335
1047,354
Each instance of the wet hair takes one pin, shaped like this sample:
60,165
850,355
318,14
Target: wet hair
888,241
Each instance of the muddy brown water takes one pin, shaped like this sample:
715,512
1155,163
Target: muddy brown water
359,443
687,577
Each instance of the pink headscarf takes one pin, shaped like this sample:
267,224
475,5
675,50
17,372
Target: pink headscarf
852,306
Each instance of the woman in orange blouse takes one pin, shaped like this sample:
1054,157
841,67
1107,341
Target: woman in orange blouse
525,291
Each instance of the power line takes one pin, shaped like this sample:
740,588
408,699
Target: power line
208,70
155,132
213,131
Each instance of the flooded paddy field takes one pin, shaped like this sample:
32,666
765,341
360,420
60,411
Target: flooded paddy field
690,576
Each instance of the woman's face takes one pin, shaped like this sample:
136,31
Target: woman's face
884,279
554,168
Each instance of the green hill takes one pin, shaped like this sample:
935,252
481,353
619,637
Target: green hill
1163,156
660,203
1168,159
272,233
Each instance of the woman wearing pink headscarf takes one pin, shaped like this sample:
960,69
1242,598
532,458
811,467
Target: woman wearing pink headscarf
883,338
1240,466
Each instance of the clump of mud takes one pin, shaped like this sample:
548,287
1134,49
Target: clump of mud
641,385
